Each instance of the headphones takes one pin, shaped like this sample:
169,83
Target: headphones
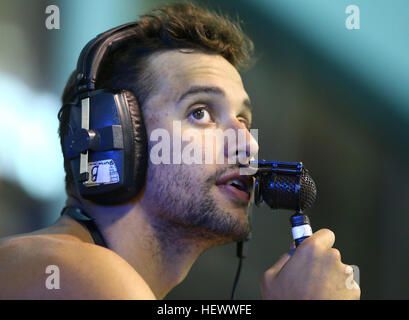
107,141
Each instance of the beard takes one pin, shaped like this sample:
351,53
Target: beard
183,204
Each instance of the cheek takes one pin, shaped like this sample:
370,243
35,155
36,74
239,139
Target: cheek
199,146
154,122
213,148
175,179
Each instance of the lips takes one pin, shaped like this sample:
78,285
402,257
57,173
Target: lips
236,186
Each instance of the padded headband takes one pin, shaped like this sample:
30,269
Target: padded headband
93,53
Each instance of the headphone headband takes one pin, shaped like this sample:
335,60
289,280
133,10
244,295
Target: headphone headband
95,50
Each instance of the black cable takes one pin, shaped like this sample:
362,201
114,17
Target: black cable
241,253
69,104
236,279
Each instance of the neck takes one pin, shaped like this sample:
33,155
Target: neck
160,252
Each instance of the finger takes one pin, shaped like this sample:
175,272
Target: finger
325,237
279,264
292,249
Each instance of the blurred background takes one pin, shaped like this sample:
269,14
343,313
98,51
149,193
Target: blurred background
334,98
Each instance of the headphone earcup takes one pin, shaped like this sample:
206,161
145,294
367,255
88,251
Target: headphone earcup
116,174
140,142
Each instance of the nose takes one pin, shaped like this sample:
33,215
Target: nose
245,147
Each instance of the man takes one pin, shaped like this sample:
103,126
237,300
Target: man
186,74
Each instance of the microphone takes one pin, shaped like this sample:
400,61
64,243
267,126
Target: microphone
281,185
286,185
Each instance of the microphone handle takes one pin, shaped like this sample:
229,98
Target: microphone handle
300,227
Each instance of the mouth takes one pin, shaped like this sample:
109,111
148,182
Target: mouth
235,186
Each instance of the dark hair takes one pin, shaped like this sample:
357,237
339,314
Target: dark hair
176,25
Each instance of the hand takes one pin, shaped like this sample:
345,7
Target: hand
314,271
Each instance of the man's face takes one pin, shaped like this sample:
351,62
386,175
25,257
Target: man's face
201,93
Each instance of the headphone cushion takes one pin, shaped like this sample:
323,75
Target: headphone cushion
139,141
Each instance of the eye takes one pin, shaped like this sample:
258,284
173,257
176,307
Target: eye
200,116
245,123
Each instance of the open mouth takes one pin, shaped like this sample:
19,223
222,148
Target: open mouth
236,186
239,185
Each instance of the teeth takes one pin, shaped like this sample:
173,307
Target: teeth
237,182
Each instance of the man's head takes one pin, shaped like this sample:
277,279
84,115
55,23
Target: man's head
182,66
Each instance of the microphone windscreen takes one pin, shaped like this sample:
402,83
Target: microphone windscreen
287,191
308,190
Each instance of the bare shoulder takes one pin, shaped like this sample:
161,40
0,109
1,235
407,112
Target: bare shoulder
59,267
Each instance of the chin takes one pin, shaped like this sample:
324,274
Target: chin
241,226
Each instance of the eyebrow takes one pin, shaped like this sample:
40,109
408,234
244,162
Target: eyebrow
193,90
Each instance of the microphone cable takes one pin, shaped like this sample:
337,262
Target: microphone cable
242,249
241,254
